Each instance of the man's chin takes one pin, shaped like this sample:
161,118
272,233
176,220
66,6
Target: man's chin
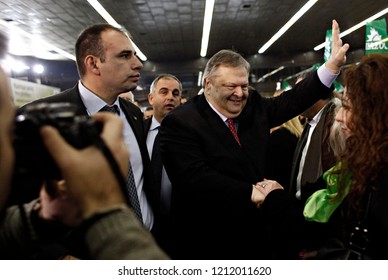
130,87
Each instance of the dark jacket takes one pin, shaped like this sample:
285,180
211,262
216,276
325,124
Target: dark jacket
212,176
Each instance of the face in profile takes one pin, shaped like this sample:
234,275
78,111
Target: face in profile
120,68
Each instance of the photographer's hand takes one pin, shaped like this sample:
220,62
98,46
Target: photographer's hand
88,176
59,207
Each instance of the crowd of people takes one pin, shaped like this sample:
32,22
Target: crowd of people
199,180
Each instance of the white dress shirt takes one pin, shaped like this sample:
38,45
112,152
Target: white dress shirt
313,123
93,104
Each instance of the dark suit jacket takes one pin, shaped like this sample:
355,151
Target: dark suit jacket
212,176
319,156
163,231
135,119
282,148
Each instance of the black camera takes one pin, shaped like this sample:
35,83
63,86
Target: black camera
33,163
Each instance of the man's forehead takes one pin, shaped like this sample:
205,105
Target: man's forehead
163,81
115,38
241,70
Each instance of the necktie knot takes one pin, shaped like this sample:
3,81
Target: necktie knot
112,109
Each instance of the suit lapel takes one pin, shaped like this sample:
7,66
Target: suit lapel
134,121
73,96
147,125
215,122
243,156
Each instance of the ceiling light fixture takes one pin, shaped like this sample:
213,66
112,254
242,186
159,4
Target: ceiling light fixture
282,30
355,27
270,74
38,68
34,38
109,19
199,82
207,22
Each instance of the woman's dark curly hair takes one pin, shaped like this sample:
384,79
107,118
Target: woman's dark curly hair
367,148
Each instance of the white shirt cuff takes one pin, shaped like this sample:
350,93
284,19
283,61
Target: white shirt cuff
326,76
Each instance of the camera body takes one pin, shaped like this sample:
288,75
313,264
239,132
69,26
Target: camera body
33,163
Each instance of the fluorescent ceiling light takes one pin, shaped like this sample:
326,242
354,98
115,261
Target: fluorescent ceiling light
38,68
207,22
357,26
109,19
35,39
282,30
199,82
270,74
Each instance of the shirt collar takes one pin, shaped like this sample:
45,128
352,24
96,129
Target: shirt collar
218,113
154,123
317,117
92,102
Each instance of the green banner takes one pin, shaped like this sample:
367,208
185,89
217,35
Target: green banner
376,40
338,87
328,42
316,66
285,85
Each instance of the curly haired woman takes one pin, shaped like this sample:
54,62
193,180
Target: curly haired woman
357,187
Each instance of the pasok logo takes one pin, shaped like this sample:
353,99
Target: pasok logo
376,37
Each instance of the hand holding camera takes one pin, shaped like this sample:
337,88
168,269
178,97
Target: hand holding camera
101,189
52,143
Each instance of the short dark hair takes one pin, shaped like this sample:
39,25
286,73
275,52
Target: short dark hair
89,43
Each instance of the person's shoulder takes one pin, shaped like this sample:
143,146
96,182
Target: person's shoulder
187,108
59,97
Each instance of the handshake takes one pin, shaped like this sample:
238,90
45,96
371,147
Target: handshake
262,189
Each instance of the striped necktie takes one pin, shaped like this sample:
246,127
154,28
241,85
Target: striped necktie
132,198
233,130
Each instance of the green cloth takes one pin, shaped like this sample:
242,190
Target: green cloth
322,204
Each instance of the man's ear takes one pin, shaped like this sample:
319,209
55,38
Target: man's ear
150,99
206,84
91,63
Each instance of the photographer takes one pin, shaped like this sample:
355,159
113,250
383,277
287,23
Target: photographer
109,228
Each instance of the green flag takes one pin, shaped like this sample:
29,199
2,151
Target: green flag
338,87
328,42
376,37
316,66
286,85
